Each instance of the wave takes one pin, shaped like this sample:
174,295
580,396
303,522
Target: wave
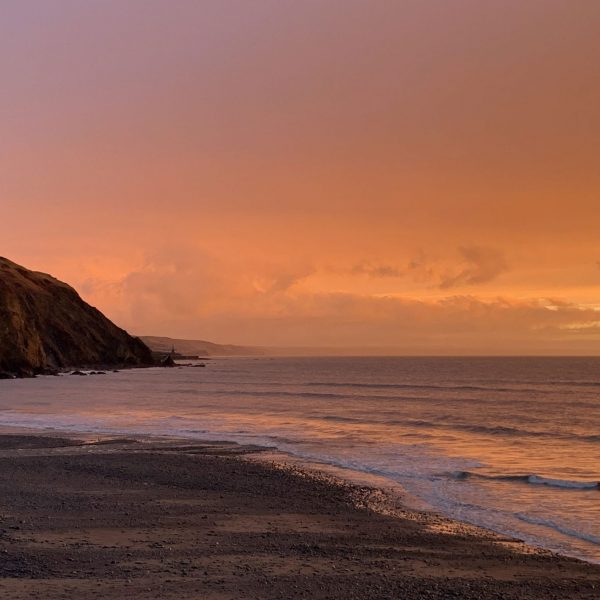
588,537
573,383
518,432
416,386
531,479
516,386
530,386
503,430
499,430
564,483
339,419
287,394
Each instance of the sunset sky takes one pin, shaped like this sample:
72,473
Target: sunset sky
412,176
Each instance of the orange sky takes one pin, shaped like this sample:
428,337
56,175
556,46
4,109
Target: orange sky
416,175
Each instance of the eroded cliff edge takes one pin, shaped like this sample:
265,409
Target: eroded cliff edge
45,325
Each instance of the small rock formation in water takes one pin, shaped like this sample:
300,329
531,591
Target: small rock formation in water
168,361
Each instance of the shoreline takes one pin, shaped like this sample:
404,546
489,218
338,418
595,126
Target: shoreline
93,515
392,498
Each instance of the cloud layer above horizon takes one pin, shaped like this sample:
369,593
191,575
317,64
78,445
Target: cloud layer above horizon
420,176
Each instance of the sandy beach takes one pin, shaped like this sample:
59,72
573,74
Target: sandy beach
171,519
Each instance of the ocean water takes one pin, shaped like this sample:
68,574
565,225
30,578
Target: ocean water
512,444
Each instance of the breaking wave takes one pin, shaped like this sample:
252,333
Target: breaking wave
531,479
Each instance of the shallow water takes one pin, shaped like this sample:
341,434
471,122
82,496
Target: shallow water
512,444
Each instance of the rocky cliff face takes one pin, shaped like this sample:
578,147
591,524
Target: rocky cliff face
45,325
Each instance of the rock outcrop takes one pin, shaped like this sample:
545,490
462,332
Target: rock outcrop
46,326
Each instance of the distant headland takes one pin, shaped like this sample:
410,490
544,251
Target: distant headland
198,348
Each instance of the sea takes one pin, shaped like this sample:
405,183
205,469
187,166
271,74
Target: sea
510,444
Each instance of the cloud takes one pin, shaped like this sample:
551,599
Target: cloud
377,270
184,291
180,288
459,324
480,265
419,269
277,279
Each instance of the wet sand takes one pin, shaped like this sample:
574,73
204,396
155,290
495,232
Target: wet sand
179,520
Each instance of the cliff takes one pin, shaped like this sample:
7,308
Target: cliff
45,325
